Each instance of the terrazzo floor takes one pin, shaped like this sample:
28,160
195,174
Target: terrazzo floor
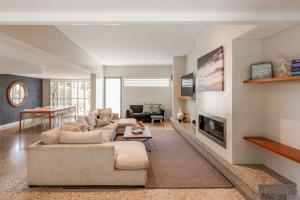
13,178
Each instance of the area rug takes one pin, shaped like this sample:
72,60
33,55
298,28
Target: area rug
176,164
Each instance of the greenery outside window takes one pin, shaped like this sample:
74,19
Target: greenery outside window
71,93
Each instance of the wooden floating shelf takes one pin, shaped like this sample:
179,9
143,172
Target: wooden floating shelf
267,80
276,147
183,98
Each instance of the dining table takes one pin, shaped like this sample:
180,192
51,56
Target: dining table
48,111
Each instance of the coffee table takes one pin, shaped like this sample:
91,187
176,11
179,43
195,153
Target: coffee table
143,137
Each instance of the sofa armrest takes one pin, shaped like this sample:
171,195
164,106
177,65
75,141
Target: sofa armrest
128,113
162,112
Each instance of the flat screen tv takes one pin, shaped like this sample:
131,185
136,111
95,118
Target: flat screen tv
187,85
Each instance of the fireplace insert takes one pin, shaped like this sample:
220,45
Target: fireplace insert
213,127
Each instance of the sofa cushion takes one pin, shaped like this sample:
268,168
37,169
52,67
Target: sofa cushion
95,113
102,122
82,120
155,108
91,119
90,128
140,115
72,128
126,122
105,113
83,126
90,137
108,135
130,155
147,108
51,136
110,126
136,108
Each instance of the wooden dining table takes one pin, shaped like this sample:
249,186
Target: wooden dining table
47,111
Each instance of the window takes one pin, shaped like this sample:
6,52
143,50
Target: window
71,93
147,82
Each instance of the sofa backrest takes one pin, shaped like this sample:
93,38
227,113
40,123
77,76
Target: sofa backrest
68,154
136,108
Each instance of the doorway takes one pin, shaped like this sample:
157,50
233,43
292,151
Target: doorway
113,94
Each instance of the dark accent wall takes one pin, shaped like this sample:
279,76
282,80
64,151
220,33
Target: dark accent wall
8,113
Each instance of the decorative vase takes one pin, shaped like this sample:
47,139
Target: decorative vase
179,115
284,67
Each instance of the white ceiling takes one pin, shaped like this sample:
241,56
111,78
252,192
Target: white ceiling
122,32
20,58
52,41
53,12
134,44
76,51
121,6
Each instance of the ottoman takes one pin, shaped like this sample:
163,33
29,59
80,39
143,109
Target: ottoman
157,118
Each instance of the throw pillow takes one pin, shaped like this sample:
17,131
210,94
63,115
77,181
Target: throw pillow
90,128
102,122
95,113
82,126
106,114
91,120
82,120
70,128
147,108
51,136
155,108
90,137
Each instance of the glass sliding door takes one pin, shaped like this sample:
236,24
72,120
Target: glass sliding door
113,94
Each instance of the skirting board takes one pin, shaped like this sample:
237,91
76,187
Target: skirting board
15,124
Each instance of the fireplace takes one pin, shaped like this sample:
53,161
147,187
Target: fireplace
213,127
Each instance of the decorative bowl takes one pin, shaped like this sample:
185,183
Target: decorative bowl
137,131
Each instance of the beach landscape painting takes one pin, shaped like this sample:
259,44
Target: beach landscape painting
210,71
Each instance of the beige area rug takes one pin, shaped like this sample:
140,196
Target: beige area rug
176,164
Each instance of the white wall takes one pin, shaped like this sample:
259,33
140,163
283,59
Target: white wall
246,102
136,95
178,70
280,105
216,103
93,91
270,110
97,95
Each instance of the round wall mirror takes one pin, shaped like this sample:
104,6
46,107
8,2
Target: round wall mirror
17,94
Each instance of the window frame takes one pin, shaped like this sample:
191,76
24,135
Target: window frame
87,84
150,85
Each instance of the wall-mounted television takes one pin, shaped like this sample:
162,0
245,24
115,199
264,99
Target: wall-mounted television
187,85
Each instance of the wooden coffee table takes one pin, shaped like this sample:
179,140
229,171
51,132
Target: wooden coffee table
143,137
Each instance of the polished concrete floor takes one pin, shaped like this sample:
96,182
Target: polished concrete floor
13,178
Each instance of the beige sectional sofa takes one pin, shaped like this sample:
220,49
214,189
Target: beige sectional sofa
109,162
112,163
